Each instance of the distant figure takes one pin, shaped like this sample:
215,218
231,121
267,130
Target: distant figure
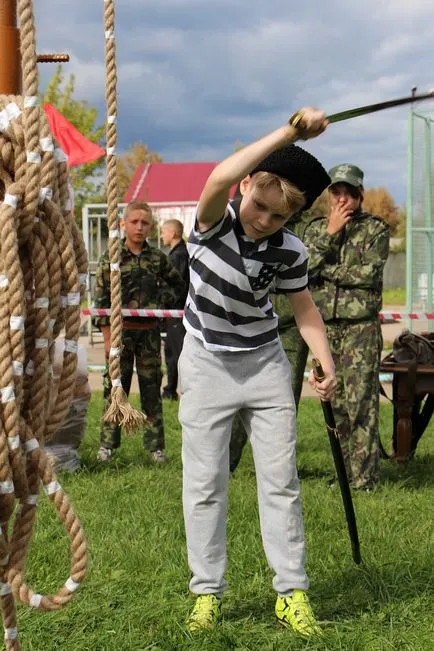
171,236
148,280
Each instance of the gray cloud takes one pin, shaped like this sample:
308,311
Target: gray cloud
194,77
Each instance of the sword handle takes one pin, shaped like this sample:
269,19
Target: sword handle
318,371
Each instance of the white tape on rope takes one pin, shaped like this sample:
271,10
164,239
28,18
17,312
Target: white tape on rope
31,444
114,232
30,368
33,157
35,600
11,633
16,322
47,144
71,585
4,282
6,487
42,303
32,500
52,487
14,442
117,383
71,346
11,200
59,155
115,352
41,343
30,101
114,266
5,589
45,193
7,394
73,298
18,367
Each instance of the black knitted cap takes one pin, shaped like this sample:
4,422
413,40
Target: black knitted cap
298,167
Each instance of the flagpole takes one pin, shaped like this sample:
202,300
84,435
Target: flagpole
10,64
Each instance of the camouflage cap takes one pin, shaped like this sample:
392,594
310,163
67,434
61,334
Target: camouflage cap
346,173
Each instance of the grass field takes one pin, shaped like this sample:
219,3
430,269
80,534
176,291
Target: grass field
136,598
393,297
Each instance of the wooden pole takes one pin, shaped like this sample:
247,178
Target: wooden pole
10,67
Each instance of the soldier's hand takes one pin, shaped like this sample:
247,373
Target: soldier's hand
308,122
339,217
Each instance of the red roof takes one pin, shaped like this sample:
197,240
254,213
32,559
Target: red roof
169,182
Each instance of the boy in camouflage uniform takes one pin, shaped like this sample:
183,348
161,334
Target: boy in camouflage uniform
347,254
148,281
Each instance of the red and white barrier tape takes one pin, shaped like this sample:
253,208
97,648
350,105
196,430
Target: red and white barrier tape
178,314
154,314
414,316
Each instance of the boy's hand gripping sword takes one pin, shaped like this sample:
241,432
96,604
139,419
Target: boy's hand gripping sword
339,465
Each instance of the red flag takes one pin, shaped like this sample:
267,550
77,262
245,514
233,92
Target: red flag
76,146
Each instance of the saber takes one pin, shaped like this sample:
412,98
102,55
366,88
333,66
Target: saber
340,466
297,118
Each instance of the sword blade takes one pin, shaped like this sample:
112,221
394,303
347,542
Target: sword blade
372,108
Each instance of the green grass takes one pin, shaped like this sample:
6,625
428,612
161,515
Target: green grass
393,296
135,597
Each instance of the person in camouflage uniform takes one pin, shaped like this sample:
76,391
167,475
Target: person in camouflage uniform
148,280
347,253
293,344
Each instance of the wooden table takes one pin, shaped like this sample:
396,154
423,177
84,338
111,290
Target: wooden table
410,386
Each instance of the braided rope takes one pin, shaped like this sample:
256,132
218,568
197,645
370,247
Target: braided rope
43,265
120,412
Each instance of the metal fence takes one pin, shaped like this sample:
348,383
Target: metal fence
420,216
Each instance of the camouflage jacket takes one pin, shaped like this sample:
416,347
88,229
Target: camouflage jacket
298,225
346,269
148,280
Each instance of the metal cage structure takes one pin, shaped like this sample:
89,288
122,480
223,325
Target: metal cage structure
95,233
420,213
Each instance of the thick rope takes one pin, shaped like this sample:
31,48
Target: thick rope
120,412
43,266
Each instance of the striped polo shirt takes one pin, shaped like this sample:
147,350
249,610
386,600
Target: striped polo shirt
228,306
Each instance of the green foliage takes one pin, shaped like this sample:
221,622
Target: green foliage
86,179
393,297
136,598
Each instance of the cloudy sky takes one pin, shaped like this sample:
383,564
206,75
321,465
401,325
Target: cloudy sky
196,76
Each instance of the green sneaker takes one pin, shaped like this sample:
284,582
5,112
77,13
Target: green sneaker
295,612
206,613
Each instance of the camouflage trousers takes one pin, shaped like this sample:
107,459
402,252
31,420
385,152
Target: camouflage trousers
356,350
296,351
143,347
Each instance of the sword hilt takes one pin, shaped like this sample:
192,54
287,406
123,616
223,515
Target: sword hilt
318,371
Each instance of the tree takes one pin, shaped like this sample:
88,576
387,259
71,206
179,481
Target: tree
379,202
320,207
127,165
86,179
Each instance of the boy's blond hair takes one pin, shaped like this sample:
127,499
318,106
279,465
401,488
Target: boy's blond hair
292,199
137,205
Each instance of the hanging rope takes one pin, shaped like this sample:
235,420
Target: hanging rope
120,412
43,265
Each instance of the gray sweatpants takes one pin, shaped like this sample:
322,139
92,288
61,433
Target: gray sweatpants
214,386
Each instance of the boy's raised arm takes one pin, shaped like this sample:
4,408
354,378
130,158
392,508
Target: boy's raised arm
214,197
